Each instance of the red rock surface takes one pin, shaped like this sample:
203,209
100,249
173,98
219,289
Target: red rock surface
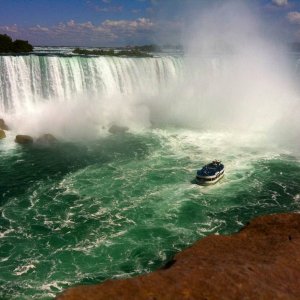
262,261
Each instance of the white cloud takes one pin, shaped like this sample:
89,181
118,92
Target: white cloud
294,17
39,28
107,33
9,28
141,23
280,2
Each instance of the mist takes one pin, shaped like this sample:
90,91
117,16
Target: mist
85,117
239,76
235,75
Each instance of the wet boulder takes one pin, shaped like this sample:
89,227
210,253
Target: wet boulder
23,139
46,139
3,126
2,134
114,129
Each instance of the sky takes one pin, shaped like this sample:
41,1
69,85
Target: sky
102,23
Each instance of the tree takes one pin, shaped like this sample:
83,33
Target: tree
21,46
5,43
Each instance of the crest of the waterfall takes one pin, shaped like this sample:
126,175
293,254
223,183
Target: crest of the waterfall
82,96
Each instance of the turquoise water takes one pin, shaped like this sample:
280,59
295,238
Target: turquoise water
121,205
96,206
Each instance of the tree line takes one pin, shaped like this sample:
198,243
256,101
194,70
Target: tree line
7,45
111,52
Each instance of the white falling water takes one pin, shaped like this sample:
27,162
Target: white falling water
80,96
28,80
74,96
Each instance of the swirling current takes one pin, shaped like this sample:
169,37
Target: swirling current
83,211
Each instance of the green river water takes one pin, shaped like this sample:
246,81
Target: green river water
124,204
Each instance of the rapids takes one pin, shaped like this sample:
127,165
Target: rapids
112,206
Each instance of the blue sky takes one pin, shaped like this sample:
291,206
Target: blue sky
123,22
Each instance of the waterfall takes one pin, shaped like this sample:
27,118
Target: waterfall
60,94
28,80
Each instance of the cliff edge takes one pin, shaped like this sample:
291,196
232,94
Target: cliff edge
262,261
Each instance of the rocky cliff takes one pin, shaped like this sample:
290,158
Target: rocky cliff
262,261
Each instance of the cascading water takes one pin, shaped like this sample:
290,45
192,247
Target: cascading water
84,210
48,94
27,80
120,205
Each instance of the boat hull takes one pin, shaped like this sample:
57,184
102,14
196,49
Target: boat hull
209,181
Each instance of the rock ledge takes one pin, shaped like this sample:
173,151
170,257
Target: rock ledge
262,261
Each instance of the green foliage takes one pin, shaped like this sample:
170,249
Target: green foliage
21,46
94,52
111,52
148,48
133,53
5,43
18,46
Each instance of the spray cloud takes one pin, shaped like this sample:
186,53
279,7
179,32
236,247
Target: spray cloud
236,77
233,76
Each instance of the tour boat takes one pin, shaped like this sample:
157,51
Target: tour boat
210,173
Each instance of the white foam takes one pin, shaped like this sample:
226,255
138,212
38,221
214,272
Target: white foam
24,269
6,232
297,197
